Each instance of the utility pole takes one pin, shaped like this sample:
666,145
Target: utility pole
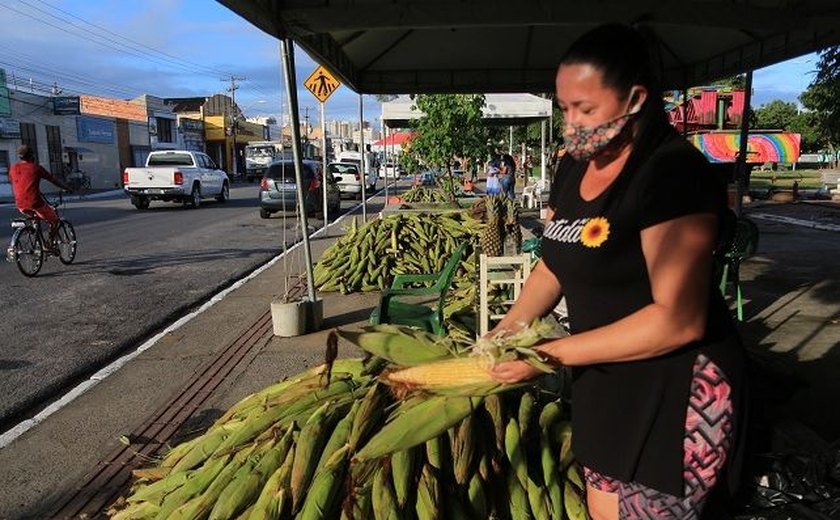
232,89
306,131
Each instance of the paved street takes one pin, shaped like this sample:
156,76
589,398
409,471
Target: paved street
134,272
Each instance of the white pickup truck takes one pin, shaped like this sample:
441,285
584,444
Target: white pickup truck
176,175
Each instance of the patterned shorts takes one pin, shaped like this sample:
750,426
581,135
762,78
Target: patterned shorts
708,437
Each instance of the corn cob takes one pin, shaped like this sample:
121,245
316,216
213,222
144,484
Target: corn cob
339,436
156,491
400,345
200,506
527,404
463,450
455,372
368,416
321,498
277,414
495,410
137,511
402,473
311,441
538,501
477,497
274,497
563,437
418,424
235,497
207,445
520,508
434,452
383,499
515,453
428,496
573,503
199,481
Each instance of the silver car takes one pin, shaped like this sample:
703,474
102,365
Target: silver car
348,177
278,190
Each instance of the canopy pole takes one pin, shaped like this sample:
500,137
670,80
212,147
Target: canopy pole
385,159
510,142
287,55
542,153
324,171
741,165
685,112
364,172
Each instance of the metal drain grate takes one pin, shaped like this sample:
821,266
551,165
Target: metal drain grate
112,476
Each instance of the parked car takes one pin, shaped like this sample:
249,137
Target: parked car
278,189
393,170
424,179
348,178
178,176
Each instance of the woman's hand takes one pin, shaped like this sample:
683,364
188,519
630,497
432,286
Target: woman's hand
513,372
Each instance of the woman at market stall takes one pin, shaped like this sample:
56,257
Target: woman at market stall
633,223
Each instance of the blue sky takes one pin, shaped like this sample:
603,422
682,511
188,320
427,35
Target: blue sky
173,48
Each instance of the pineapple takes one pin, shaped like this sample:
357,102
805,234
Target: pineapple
491,237
512,228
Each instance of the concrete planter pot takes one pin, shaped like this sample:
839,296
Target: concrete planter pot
291,319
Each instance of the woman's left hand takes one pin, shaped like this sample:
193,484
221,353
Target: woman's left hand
513,372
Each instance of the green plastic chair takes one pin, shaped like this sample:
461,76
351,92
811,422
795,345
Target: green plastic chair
391,310
743,245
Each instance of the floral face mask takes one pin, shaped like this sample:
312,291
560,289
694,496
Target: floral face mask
584,143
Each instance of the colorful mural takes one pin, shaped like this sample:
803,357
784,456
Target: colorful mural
761,147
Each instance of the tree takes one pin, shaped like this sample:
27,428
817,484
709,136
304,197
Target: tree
450,128
821,98
776,115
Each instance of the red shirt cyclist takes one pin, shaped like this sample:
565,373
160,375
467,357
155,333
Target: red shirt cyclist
26,178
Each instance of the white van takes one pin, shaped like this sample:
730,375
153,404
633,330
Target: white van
348,156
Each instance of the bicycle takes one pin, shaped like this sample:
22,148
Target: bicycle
27,248
79,180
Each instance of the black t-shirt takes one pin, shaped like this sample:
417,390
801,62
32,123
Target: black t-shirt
629,418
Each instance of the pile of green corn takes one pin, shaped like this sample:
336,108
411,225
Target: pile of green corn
417,430
367,258
424,195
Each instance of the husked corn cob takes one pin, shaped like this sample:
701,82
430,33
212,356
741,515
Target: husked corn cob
464,371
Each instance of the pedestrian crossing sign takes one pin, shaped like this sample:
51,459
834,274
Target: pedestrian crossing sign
321,83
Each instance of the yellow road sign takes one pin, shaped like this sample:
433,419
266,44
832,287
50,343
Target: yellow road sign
321,83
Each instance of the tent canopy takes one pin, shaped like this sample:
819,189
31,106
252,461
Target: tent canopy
435,46
503,109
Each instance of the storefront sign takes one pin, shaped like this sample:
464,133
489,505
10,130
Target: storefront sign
9,128
117,108
95,130
66,106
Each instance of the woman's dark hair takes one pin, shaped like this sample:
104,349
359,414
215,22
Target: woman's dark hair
624,56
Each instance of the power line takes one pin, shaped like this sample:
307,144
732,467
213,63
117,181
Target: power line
209,69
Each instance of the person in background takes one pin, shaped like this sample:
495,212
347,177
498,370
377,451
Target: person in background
25,176
657,364
507,177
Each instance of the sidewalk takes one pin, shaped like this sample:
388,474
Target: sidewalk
792,321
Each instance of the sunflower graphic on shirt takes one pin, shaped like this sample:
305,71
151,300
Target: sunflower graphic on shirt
595,232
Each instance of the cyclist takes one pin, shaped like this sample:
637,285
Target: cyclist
26,177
